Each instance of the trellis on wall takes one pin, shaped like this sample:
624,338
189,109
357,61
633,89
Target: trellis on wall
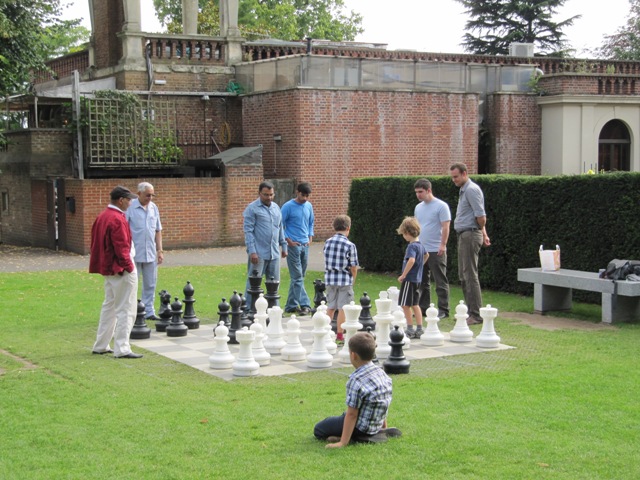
122,130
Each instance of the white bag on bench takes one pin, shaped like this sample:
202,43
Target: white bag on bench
550,259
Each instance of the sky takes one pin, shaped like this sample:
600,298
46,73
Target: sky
434,25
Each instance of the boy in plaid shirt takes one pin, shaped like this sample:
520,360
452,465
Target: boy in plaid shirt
340,270
368,398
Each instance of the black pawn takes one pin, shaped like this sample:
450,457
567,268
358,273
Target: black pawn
319,287
365,317
396,362
223,313
375,357
176,328
140,329
272,297
236,316
164,312
190,319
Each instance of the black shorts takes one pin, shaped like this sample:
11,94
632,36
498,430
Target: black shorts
409,294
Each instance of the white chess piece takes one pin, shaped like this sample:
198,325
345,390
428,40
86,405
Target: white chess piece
319,356
259,352
351,325
401,321
261,312
274,341
394,293
329,337
432,337
221,358
245,365
488,337
383,320
293,351
461,332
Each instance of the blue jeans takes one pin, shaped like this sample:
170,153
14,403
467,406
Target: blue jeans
149,273
265,268
332,427
297,261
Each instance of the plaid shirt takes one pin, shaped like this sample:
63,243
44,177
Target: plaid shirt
369,390
339,256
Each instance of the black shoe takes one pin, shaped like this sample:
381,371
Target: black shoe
102,353
304,311
442,315
291,310
130,355
153,317
391,432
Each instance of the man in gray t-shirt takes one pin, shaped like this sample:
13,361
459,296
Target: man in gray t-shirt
472,235
434,217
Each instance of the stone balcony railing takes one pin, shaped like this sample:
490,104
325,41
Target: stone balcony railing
186,49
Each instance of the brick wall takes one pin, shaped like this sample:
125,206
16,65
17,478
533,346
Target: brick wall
39,230
330,137
588,84
514,123
108,18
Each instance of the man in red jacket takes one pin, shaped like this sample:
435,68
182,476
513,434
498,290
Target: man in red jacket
112,255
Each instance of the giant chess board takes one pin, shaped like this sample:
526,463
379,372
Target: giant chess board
195,348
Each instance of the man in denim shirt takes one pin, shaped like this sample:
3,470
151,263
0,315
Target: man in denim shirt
264,236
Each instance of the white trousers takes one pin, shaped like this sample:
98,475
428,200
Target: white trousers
118,313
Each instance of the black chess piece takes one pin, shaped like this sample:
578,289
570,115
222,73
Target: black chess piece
223,313
255,289
396,362
319,295
236,316
365,317
190,319
245,321
375,357
140,329
272,285
176,328
164,312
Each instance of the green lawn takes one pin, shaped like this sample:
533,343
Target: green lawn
561,405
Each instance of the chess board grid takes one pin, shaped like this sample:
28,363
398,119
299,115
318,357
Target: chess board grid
195,348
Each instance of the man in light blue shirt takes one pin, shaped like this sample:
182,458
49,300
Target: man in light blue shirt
144,220
298,219
263,236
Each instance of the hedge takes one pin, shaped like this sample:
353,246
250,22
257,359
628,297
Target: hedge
593,218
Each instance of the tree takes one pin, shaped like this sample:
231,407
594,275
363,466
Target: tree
495,24
283,19
625,43
30,34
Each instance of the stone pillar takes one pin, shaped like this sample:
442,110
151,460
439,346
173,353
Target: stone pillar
229,29
190,17
132,16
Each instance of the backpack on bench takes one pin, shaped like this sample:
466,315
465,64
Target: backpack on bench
621,269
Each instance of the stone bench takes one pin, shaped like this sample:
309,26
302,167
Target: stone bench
552,292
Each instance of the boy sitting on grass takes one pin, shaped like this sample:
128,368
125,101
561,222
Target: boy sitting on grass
368,399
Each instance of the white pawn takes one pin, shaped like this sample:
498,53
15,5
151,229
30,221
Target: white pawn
293,351
383,320
274,341
259,353
221,358
401,321
432,337
245,365
351,325
461,332
394,293
488,337
261,311
329,337
319,356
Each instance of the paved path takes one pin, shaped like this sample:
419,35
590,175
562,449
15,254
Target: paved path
28,259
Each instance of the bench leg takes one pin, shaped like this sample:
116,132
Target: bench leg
617,308
547,298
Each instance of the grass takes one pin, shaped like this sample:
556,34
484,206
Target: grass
561,405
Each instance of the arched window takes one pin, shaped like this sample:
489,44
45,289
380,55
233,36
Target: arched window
614,147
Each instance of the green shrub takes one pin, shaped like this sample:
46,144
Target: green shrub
591,217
